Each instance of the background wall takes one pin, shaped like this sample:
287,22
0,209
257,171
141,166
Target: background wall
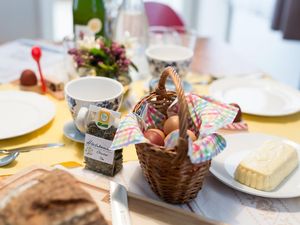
27,19
252,37
244,24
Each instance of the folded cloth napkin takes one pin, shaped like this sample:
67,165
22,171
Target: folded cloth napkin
207,114
238,126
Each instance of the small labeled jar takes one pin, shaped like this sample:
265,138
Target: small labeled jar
102,125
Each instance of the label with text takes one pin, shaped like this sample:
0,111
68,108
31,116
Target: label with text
98,149
93,26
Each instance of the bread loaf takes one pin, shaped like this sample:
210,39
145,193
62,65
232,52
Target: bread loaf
53,198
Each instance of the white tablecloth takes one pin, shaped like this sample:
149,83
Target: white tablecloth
216,200
16,57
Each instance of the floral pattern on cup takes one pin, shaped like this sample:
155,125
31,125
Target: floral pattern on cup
157,66
161,56
83,92
75,105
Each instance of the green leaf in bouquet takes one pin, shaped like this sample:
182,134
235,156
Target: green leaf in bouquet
98,52
134,66
107,67
107,42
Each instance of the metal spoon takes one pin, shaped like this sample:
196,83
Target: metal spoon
8,158
12,154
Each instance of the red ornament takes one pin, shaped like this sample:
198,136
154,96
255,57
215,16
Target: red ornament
36,53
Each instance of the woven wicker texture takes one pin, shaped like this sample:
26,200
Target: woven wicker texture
170,172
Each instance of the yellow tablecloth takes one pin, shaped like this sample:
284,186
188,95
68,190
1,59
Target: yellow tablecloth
69,155
288,127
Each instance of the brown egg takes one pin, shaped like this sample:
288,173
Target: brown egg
154,137
159,132
171,124
238,117
28,78
192,135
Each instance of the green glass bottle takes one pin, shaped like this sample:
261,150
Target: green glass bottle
88,18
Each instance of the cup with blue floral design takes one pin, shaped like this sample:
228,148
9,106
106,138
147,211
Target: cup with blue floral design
99,91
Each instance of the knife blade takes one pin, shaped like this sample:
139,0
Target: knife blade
32,148
119,204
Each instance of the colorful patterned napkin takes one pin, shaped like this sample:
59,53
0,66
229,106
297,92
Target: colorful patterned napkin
171,140
206,148
207,114
201,150
238,126
152,117
130,131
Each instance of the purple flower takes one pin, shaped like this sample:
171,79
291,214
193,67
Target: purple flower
123,56
79,60
73,51
110,60
126,62
106,49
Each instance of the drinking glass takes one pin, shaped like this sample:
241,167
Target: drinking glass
175,35
112,8
131,29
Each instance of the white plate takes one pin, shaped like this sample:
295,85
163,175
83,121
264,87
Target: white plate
23,112
261,97
71,132
238,146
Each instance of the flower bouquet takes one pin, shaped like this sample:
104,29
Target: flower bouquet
102,57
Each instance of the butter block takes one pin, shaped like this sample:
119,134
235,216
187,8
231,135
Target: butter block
266,167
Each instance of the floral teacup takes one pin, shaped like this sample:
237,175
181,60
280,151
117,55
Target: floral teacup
161,56
83,92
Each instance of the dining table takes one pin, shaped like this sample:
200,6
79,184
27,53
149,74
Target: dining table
213,60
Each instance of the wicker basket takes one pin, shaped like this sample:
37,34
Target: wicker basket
170,172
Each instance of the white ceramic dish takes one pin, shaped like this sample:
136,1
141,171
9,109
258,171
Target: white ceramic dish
261,97
238,146
23,112
71,132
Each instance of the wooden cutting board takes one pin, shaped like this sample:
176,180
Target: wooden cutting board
142,210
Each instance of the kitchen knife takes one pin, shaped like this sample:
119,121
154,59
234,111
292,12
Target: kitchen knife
119,204
31,148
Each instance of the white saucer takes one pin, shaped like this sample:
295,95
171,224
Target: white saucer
71,132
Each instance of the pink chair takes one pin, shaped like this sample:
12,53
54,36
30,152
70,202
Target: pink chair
162,15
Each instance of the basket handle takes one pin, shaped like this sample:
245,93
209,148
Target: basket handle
183,112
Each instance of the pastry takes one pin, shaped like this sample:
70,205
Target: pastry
55,88
28,78
29,82
52,198
266,167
